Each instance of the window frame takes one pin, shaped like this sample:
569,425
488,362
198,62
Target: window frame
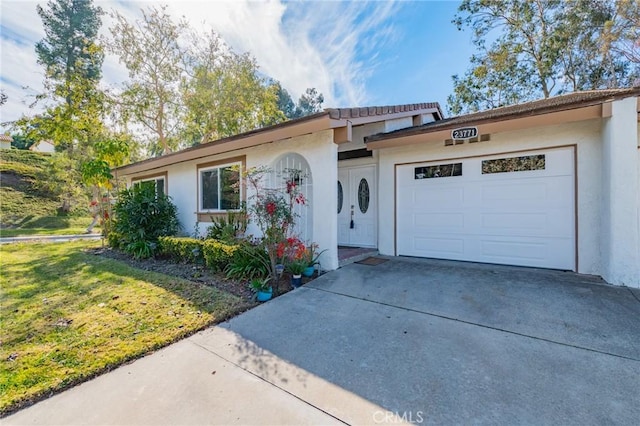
219,165
153,178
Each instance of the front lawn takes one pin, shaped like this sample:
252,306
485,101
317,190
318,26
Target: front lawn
68,315
49,225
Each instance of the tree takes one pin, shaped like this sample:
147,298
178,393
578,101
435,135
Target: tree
150,51
285,103
21,141
622,35
540,48
224,94
96,173
309,103
72,60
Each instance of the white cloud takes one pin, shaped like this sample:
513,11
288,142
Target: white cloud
327,45
331,46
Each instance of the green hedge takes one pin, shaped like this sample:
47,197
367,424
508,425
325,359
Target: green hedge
181,249
216,254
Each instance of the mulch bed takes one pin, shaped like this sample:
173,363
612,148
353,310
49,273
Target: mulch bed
191,272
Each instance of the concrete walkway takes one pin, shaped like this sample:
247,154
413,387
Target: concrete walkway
49,238
417,340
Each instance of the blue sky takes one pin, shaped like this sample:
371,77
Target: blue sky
355,53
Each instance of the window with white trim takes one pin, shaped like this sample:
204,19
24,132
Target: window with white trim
158,182
219,188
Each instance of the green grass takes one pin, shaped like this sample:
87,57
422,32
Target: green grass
49,225
68,315
25,208
23,156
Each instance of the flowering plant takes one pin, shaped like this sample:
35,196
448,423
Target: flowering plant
311,254
290,250
273,212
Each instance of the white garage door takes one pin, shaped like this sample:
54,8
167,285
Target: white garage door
515,209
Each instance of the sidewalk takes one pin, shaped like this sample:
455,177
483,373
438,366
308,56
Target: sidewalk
49,238
213,377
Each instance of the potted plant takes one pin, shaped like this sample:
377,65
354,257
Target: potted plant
296,268
262,288
311,257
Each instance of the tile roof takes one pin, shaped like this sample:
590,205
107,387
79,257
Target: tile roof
340,113
541,106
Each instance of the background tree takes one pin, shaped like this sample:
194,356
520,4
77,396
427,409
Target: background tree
540,48
73,61
285,102
224,94
622,35
72,120
309,102
20,141
150,50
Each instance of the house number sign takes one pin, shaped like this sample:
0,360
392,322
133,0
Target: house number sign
464,133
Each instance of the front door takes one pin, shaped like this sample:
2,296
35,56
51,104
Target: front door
357,206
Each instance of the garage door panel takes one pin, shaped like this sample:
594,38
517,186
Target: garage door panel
538,253
528,193
435,245
514,221
427,198
519,218
439,221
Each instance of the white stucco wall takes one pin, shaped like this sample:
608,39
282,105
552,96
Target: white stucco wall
587,137
322,156
358,134
621,184
398,123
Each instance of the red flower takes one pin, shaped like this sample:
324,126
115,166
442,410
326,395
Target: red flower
271,208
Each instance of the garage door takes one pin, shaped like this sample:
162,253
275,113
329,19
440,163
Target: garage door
515,209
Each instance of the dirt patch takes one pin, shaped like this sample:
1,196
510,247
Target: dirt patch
191,272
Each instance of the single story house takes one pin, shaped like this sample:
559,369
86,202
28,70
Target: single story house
5,141
553,183
43,146
327,147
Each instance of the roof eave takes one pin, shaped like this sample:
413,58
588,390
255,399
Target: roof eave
489,126
286,130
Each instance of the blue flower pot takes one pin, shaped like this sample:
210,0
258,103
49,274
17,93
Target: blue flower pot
309,271
263,296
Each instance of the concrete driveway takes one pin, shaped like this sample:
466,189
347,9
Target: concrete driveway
423,341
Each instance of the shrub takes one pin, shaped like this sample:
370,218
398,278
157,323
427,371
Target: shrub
181,249
218,254
249,261
141,217
228,228
115,240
